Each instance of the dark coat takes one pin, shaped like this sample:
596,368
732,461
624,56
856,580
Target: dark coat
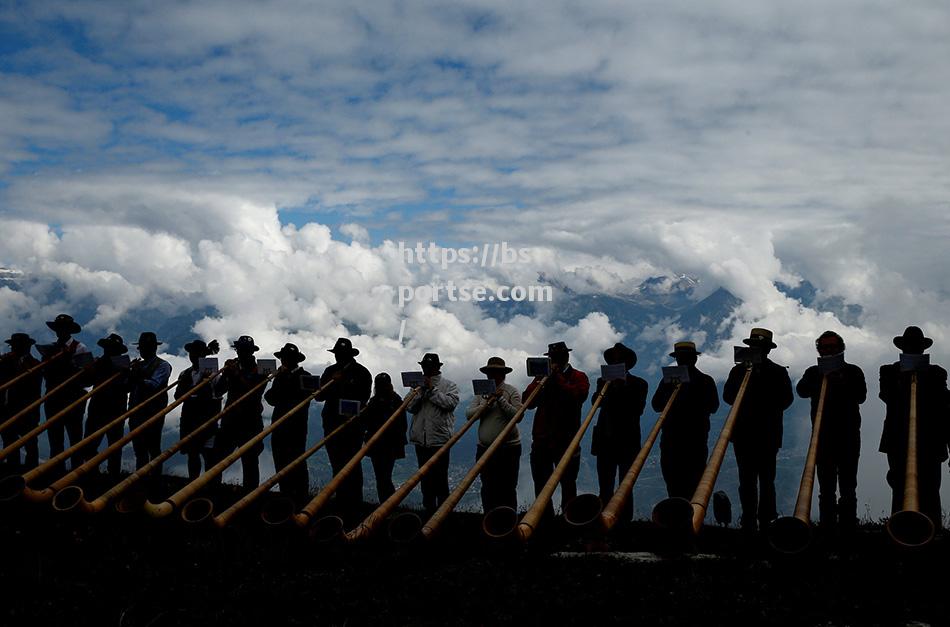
197,408
931,411
393,443
559,407
841,418
768,395
618,423
22,393
357,385
111,402
688,420
244,421
284,394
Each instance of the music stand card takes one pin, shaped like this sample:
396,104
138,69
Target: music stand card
81,360
121,362
348,407
483,387
675,374
207,365
538,366
830,363
910,363
747,355
412,379
309,382
613,372
266,367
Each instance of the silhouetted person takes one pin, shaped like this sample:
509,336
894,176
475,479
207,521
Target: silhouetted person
757,432
433,421
931,425
238,377
616,438
355,383
57,372
556,421
684,436
108,403
198,408
19,396
500,474
149,374
839,442
289,440
392,444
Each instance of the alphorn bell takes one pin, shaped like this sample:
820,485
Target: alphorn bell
49,422
13,486
910,527
677,512
502,521
29,371
316,505
578,513
182,496
792,534
381,513
272,515
69,496
434,523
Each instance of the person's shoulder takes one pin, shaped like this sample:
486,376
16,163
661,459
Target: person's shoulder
890,368
638,381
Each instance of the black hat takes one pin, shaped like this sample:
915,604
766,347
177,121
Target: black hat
344,345
622,353
430,359
760,337
383,376
495,363
148,338
113,344
20,339
245,341
558,347
202,349
290,351
684,348
66,323
914,337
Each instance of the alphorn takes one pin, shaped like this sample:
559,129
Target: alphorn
182,496
910,527
677,512
311,509
49,422
434,523
69,496
199,509
14,485
503,521
792,534
331,526
277,515
9,422
29,371
582,510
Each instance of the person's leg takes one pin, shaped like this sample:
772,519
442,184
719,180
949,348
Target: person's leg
73,423
383,471
767,511
827,472
606,469
509,465
896,469
748,491
848,484
428,489
569,481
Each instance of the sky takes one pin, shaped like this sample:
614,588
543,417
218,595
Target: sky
267,158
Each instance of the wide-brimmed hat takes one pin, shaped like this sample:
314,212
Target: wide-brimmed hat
558,347
245,341
495,364
344,345
760,337
684,348
20,339
430,359
64,322
114,344
290,351
619,353
913,336
149,339
200,348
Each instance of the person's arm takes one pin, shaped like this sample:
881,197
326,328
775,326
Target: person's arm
859,387
784,392
886,383
663,392
640,397
445,396
577,386
509,403
160,376
183,384
806,386
731,389
474,406
528,390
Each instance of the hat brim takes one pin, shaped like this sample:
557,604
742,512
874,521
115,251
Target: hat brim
558,351
105,344
73,327
298,356
685,352
155,343
488,369
751,342
13,342
352,351
430,363
925,342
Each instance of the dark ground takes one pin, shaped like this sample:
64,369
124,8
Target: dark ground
127,570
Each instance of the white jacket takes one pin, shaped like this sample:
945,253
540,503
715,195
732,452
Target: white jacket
432,417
